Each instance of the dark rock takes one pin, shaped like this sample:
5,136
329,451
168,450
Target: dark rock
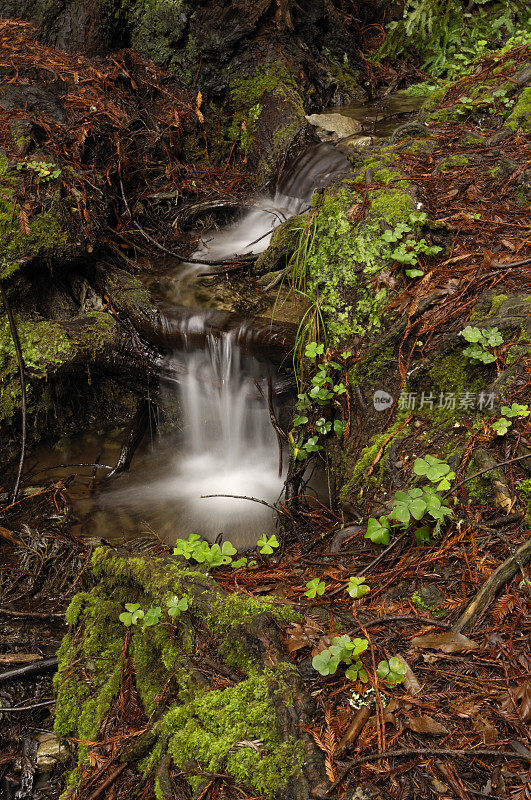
32,98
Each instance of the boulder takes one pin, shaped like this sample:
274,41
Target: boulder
337,124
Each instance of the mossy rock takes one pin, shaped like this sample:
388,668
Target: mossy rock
520,116
283,243
340,259
204,729
50,236
55,354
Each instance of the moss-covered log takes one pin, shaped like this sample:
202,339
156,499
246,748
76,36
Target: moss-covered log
249,729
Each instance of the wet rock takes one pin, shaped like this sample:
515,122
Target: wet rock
356,142
50,750
335,123
32,98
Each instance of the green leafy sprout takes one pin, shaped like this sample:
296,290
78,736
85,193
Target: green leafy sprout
133,614
43,170
479,343
343,649
357,587
392,671
313,420
502,425
408,248
315,587
266,545
416,504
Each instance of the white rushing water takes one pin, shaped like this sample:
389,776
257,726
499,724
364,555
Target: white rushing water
229,446
252,233
226,446
227,443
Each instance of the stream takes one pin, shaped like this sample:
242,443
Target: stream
214,436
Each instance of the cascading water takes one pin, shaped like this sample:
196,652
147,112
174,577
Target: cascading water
252,233
227,445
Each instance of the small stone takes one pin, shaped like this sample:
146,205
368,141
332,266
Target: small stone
356,142
335,123
50,751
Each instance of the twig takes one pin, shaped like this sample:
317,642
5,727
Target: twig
20,360
502,575
281,436
14,709
487,469
244,497
425,751
30,669
372,564
107,782
7,612
403,618
382,555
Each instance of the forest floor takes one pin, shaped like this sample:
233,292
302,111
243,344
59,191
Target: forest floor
459,725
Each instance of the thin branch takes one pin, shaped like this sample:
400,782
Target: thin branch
244,497
13,709
426,751
487,469
20,360
29,669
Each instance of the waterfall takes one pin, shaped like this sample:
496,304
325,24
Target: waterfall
226,444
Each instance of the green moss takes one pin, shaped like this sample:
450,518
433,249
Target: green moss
520,116
45,346
274,79
159,31
524,489
208,731
452,161
46,235
435,98
451,372
97,646
205,730
356,474
368,369
341,258
283,243
470,139
347,78
496,302
421,146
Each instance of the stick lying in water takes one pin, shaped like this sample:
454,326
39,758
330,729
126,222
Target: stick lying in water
244,497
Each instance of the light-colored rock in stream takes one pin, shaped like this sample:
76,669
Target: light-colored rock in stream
356,142
337,124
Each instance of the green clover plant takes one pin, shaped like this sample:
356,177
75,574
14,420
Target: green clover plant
392,671
44,171
416,504
266,545
502,425
312,420
408,249
315,587
357,587
479,342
